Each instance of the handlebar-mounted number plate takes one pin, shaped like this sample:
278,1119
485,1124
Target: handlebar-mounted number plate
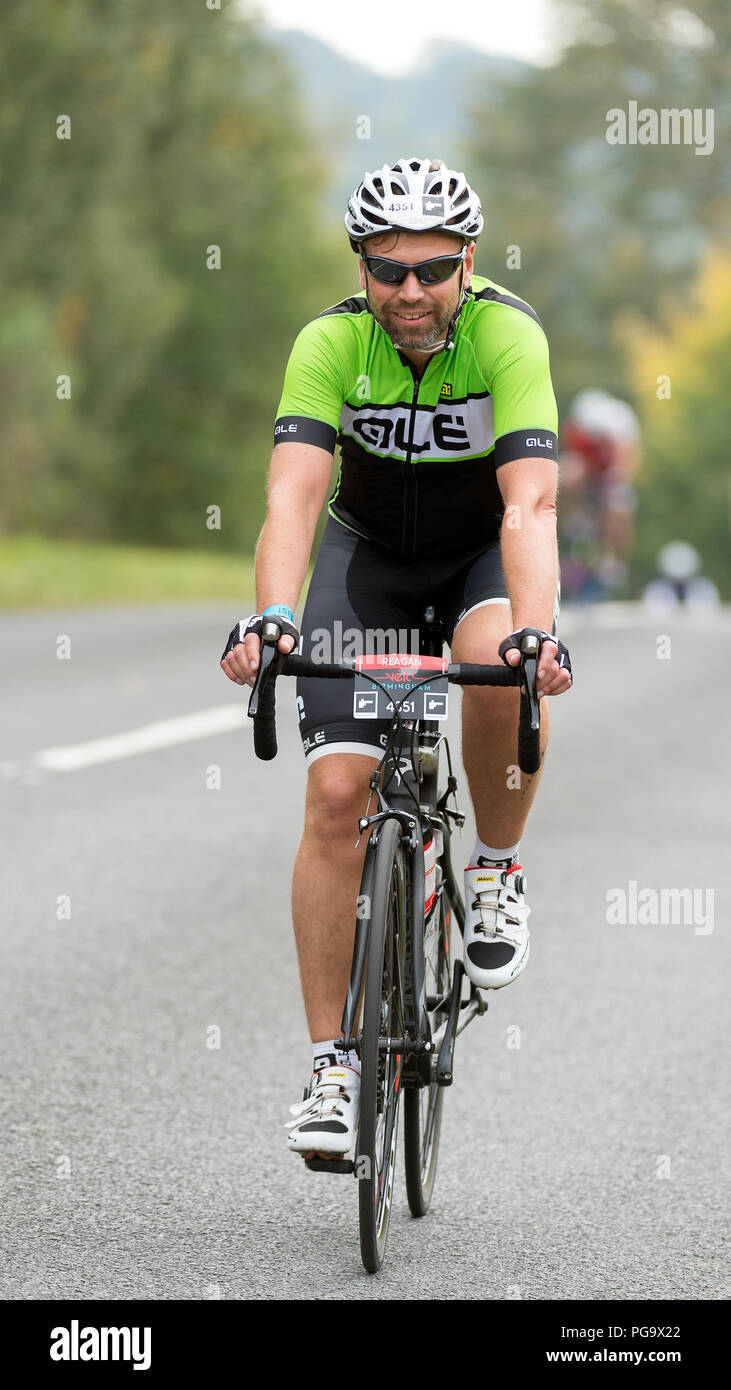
398,689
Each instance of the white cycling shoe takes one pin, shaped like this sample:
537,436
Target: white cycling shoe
496,936
326,1120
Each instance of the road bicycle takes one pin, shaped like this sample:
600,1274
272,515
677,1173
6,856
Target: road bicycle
407,999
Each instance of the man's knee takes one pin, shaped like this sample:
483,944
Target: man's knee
337,791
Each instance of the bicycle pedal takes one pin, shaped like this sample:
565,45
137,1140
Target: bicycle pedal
330,1165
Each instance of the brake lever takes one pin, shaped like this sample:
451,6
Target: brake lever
268,664
530,651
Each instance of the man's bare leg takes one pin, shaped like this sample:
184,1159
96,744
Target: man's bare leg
326,883
501,801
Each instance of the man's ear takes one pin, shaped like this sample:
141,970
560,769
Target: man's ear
361,275
468,263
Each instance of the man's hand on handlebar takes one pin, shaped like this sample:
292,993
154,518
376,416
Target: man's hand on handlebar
554,664
241,656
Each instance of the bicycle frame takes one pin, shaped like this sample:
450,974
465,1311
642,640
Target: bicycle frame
413,803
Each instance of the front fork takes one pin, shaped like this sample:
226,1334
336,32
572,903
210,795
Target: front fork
418,1048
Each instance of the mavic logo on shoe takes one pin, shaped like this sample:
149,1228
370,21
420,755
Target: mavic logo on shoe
486,878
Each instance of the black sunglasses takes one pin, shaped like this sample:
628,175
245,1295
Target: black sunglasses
431,272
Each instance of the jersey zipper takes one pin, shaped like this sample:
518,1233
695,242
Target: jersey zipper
408,474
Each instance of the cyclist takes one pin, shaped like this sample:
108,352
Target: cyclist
599,458
435,383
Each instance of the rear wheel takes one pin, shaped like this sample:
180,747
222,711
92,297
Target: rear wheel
423,1104
381,1063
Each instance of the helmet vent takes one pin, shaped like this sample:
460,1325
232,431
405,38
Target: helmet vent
377,202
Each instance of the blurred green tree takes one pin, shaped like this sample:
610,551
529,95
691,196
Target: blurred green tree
588,230
682,369
185,134
604,226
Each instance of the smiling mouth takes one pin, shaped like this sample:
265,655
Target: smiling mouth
413,318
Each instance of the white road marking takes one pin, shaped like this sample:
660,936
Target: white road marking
164,733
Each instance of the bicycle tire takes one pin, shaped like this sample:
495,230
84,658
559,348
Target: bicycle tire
380,1089
423,1104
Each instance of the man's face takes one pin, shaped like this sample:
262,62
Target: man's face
414,315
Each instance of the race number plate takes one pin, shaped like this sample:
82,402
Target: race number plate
399,687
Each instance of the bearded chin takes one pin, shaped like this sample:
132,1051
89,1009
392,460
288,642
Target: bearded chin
434,334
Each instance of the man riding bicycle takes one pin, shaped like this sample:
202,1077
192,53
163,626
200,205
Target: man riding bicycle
436,385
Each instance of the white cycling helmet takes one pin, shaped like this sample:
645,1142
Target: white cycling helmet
601,414
416,195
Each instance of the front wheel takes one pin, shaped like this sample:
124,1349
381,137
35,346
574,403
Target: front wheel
381,1062
423,1104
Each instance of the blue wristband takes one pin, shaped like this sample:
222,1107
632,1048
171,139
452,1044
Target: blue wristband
279,610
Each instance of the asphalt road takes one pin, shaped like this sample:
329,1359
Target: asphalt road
145,906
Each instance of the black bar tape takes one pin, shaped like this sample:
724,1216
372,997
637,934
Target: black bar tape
265,725
529,740
485,675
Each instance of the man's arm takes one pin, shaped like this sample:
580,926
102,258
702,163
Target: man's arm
528,542
526,468
305,434
526,450
298,480
529,552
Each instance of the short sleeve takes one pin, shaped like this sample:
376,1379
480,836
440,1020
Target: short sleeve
313,392
519,379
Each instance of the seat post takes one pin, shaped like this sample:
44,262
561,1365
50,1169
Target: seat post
431,632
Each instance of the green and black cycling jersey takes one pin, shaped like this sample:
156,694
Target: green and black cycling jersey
419,454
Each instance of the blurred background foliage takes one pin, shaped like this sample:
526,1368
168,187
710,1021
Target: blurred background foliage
193,128
185,134
612,233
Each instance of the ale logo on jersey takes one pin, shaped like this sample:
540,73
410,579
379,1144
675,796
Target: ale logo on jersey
391,433
454,427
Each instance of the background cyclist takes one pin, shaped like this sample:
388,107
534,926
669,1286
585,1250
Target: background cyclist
600,454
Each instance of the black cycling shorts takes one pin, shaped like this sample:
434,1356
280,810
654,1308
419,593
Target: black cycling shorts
363,598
